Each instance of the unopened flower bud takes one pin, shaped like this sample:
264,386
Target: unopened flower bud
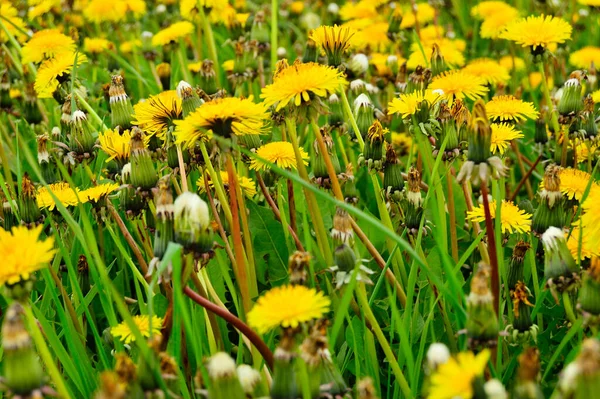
437,354
393,182
82,140
120,104
482,323
363,114
28,207
342,232
224,379
571,101
192,223
373,153
560,268
208,77
359,64
143,173
189,99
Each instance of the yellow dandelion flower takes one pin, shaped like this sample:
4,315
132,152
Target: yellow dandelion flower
380,62
136,7
143,323
511,63
373,36
585,57
487,9
596,96
573,183
502,135
128,46
409,103
454,379
592,3
96,193
494,24
541,31
510,108
223,117
99,11
156,114
196,67
116,145
281,153
247,185
53,71
451,50
299,81
402,142
488,69
535,79
432,33
333,41
173,33
287,306
62,191
586,250
590,220
425,14
227,65
513,219
297,7
14,93
41,8
13,24
358,10
47,43
22,253
96,45
459,84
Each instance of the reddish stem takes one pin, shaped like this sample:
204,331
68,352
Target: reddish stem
489,226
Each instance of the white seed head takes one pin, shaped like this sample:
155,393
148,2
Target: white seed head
392,60
357,84
146,35
362,101
333,8
568,377
78,116
495,390
161,8
359,64
249,378
191,206
552,237
437,354
220,365
281,52
334,98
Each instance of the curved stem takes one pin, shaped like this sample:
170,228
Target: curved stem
234,321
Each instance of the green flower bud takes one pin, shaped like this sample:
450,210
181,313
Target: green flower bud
82,141
571,101
285,383
189,99
335,118
260,29
580,379
192,223
526,386
418,80
393,182
208,78
560,268
120,104
143,173
48,169
589,294
438,65
320,172
540,135
130,200
164,233
23,373
394,25
28,207
527,206
363,114
521,308
550,211
515,266
373,152
342,231
413,205
482,323
9,217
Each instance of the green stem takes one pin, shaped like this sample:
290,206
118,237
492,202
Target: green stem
389,354
274,14
217,183
553,115
212,48
568,307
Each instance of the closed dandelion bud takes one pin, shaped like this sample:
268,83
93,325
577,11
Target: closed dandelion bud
335,118
363,113
189,99
418,80
366,389
571,101
298,267
163,70
527,206
8,215
65,117
358,65
560,268
482,323
587,123
320,171
82,141
449,133
23,373
143,173
344,258
250,380
540,135
130,200
121,110
349,188
208,78
250,141
580,379
342,232
526,386
285,377
373,153
394,24
164,233
28,207
345,263
325,378
260,29
438,65
311,52
494,389
522,310
515,266
192,224
550,211
223,376
462,117
413,205
393,182
589,294
48,170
